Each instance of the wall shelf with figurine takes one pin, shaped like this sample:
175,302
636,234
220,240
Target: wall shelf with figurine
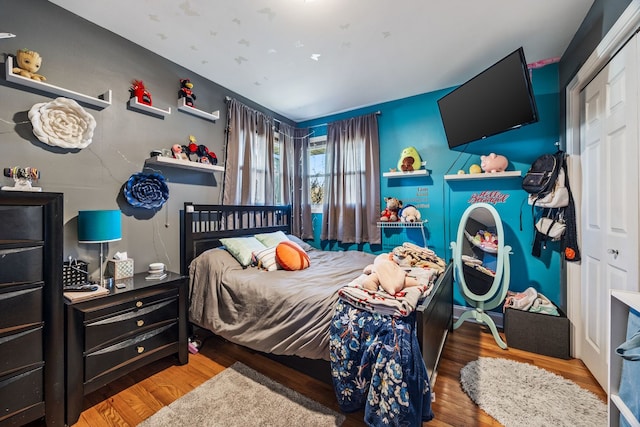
402,174
134,104
100,102
419,172
183,164
182,106
484,175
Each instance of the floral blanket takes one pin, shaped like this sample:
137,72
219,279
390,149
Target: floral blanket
376,364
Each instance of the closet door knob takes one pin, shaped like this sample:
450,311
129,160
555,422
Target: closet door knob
613,252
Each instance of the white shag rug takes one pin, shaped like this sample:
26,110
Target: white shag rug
240,396
520,394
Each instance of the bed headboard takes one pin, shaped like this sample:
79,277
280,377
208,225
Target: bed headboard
202,226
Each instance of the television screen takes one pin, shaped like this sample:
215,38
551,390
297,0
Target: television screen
497,100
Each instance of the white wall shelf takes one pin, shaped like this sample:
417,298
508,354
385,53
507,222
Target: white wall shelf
419,172
135,105
402,174
484,175
100,102
182,106
621,302
184,164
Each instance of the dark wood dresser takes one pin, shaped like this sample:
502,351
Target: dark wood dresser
31,308
112,335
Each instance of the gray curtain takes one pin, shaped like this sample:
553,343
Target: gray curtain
249,169
352,189
294,144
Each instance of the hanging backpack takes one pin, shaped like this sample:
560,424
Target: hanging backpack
541,177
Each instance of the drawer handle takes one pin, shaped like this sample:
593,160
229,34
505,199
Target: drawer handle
140,349
140,322
138,304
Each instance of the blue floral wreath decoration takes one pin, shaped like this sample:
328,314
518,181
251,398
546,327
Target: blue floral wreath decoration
147,191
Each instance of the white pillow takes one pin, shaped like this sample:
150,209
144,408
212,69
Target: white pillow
266,259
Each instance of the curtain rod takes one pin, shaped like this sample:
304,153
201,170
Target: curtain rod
227,99
377,113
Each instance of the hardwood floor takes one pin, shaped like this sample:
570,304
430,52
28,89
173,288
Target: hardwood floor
137,396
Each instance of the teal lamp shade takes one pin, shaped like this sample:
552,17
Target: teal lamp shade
99,226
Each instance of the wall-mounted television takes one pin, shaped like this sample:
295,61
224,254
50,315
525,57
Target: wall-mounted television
497,100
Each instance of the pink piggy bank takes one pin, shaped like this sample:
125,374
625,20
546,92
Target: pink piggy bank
494,163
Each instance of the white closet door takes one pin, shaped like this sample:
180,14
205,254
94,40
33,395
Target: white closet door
609,161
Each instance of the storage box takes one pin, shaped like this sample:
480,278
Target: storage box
120,269
74,272
537,332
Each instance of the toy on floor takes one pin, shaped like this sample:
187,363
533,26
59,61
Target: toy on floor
29,63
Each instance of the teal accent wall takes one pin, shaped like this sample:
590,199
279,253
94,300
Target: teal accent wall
415,121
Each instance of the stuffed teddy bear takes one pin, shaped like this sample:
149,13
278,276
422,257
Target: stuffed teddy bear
390,213
409,213
28,63
388,275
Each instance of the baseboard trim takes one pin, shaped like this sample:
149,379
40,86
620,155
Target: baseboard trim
498,318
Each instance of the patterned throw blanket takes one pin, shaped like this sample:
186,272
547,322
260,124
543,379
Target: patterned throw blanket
376,364
398,305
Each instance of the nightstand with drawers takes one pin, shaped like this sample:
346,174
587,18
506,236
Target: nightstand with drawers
112,335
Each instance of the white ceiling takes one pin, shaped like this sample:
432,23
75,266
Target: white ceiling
368,51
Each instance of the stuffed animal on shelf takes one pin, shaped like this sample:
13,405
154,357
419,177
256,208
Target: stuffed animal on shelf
29,63
139,92
494,163
410,213
198,153
390,213
409,160
186,92
386,274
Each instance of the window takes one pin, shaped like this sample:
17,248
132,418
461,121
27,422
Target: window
316,173
277,170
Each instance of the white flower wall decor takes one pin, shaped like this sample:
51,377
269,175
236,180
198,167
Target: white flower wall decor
62,123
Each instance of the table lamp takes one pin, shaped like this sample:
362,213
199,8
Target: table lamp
100,226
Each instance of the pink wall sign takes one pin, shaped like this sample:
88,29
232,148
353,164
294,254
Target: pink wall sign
492,197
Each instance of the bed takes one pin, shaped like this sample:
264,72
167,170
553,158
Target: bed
258,326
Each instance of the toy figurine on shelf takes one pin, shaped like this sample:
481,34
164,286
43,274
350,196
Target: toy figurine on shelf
138,91
22,177
29,63
200,152
186,92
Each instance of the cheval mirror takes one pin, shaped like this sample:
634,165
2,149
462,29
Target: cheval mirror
481,262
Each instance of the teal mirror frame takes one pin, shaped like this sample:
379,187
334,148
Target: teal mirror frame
496,294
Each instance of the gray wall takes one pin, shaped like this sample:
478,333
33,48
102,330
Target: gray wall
85,58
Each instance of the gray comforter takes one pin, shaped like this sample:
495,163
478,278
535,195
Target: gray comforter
280,312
